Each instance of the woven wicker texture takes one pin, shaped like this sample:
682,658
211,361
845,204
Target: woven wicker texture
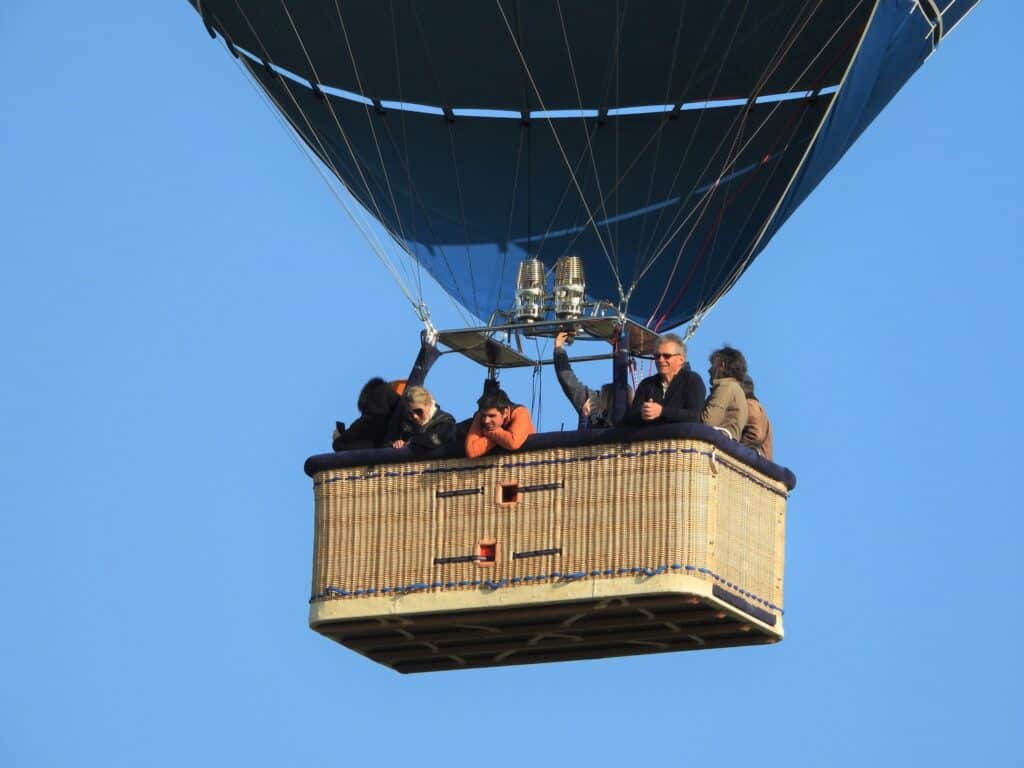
590,512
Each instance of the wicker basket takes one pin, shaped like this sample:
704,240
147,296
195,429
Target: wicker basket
562,553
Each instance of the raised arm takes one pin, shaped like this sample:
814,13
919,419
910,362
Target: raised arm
576,391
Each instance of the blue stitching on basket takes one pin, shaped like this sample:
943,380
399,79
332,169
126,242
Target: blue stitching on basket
576,576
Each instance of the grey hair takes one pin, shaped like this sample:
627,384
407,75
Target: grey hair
671,338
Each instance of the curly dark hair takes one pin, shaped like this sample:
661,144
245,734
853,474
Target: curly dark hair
729,361
377,398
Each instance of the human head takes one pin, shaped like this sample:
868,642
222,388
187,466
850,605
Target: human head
377,398
748,386
494,407
606,401
419,403
727,361
669,355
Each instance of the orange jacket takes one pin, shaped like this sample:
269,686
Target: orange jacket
510,436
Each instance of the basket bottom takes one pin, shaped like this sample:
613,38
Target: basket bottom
536,632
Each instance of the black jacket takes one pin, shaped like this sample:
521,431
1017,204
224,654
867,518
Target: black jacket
683,401
438,432
377,402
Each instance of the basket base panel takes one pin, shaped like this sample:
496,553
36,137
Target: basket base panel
557,631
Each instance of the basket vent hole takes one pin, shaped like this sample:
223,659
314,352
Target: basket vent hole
487,551
509,493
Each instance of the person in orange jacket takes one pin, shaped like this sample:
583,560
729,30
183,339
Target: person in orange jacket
498,423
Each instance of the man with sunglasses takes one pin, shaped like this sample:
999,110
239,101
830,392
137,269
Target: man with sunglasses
674,394
424,427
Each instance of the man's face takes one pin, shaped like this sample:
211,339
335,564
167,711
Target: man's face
669,359
420,412
492,418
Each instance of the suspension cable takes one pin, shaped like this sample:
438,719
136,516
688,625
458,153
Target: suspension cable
736,153
561,149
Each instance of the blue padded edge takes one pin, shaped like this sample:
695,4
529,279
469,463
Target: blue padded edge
543,440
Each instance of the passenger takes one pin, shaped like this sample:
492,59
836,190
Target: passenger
674,394
758,432
726,409
377,402
381,406
594,406
425,427
498,423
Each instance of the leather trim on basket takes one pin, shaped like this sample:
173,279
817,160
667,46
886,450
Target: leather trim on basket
738,602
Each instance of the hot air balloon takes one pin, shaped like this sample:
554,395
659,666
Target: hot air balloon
639,156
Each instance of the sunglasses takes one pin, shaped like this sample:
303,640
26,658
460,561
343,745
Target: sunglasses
421,412
666,355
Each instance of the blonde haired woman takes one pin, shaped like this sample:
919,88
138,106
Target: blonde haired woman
424,426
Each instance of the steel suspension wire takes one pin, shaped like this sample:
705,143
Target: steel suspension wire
405,137
727,164
366,108
278,113
360,224
418,303
561,202
656,137
325,157
511,215
561,149
751,250
689,146
586,132
341,131
735,152
668,92
785,135
455,169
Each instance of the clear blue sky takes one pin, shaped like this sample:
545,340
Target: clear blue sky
177,336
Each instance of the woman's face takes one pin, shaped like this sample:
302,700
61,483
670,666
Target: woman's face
420,412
